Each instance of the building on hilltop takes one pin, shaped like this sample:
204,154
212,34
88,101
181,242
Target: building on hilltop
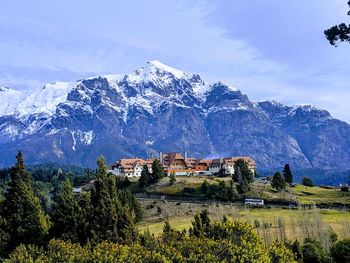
227,165
130,167
180,165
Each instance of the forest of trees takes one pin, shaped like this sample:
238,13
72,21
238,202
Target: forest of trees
99,225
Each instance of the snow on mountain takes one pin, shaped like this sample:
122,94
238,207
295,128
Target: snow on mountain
45,100
160,108
9,98
152,70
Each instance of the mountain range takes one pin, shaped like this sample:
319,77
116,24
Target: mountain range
159,108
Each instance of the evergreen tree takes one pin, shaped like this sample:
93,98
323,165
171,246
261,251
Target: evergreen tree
287,174
246,172
201,225
84,202
66,214
103,223
4,237
278,182
109,220
157,171
145,178
25,218
172,179
307,181
243,186
128,199
237,175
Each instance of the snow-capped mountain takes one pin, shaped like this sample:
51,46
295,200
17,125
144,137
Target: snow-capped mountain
159,108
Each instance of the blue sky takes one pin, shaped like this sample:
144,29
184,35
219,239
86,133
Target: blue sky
269,49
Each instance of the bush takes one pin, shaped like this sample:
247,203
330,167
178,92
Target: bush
344,189
307,182
314,253
340,251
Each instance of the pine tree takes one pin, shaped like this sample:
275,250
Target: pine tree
128,199
25,218
201,225
145,178
4,237
246,172
237,175
172,179
243,186
157,171
66,214
287,174
84,202
103,223
278,182
109,219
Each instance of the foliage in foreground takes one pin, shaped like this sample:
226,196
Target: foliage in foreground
224,241
338,33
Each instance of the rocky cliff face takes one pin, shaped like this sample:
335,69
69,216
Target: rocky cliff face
158,108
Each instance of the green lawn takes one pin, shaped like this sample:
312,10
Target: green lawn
317,195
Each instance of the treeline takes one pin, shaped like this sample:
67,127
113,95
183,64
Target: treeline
105,213
206,241
99,226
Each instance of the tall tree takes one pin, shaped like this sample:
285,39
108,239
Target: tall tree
246,172
243,186
128,199
157,171
237,175
287,174
145,178
109,220
25,218
104,206
338,33
278,182
66,214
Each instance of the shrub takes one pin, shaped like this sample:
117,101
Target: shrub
340,251
307,181
344,189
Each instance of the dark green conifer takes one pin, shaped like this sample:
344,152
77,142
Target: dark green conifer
128,199
66,214
109,219
246,172
287,174
25,218
103,223
145,178
157,171
278,182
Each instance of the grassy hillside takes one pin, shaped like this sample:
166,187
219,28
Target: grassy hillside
191,187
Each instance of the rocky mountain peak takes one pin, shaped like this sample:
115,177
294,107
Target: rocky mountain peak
160,108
